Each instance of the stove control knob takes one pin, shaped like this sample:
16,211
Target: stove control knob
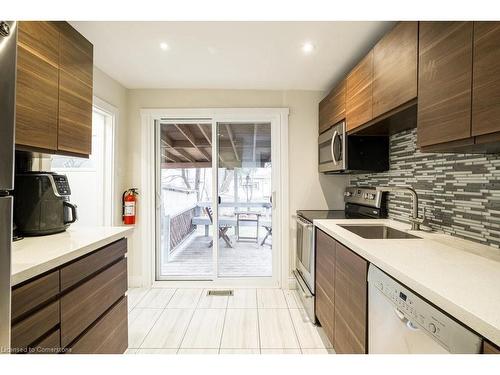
432,328
365,195
371,196
348,194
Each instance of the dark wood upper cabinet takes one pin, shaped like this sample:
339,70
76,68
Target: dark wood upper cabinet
75,115
325,282
444,82
41,39
75,92
486,78
332,107
54,89
37,85
395,68
350,302
76,54
359,93
36,101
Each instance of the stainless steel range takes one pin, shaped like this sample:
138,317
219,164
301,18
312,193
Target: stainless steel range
359,203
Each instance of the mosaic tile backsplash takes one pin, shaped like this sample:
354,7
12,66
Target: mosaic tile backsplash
460,192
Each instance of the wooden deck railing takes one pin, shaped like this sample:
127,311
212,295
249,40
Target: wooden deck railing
179,226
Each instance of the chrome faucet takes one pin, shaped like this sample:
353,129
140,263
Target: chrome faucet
414,220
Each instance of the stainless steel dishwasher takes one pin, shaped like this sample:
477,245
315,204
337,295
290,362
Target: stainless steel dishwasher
401,322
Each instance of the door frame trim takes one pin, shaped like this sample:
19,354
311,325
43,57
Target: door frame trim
110,156
146,228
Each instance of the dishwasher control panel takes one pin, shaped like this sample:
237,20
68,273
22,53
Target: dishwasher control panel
420,314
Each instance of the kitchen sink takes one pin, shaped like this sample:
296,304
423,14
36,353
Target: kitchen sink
378,232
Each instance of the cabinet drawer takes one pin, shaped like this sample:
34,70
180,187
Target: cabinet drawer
108,336
325,313
34,293
489,348
83,305
35,326
49,345
89,264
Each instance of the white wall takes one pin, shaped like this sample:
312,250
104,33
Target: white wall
112,92
308,190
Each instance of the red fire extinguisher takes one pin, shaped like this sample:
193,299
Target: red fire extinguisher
129,205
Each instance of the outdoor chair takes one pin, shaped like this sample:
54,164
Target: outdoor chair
222,229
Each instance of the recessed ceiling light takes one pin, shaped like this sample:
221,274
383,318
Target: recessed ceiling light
307,48
164,46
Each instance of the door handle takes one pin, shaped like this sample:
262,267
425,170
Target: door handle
331,147
219,199
158,200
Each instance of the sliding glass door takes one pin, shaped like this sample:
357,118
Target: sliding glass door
215,200
184,186
244,199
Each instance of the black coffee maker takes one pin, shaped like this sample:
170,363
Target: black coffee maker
41,203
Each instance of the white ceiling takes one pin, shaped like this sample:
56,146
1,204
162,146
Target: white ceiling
229,55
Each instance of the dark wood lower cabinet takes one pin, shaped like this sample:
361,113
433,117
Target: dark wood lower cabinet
31,295
51,344
84,267
341,305
325,279
83,305
29,330
351,308
325,313
341,295
88,315
108,335
489,348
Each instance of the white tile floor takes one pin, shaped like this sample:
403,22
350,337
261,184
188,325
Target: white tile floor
253,321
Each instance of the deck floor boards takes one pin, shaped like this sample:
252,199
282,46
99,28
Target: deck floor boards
194,258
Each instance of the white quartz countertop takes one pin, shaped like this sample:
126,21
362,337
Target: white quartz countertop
33,256
459,276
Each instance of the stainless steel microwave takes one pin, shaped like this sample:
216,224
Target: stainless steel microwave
342,153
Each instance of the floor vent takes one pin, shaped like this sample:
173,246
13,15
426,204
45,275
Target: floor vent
220,293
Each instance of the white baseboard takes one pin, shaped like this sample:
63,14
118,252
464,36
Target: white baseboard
136,282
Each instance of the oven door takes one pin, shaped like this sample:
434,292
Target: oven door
305,252
331,149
